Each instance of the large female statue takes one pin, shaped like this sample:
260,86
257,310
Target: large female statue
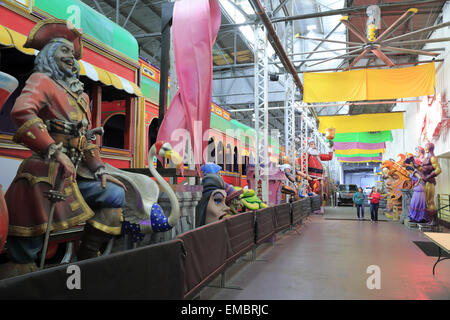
417,209
430,168
53,119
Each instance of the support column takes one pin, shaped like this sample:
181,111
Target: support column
166,23
96,116
129,116
261,113
289,108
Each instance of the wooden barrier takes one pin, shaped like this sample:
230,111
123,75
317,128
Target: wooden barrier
264,224
207,250
241,234
316,203
282,216
176,269
150,272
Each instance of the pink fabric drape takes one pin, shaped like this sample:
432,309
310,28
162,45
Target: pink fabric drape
195,26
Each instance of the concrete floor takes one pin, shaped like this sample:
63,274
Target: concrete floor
329,260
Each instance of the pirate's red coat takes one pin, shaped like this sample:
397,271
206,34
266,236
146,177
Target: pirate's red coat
45,99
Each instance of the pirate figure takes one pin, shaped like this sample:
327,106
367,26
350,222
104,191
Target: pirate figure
53,119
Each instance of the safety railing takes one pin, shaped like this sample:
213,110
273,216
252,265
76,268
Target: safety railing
176,269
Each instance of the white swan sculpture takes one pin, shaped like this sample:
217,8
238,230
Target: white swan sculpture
142,214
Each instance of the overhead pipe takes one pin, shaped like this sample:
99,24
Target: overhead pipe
353,9
336,69
360,103
276,44
344,11
248,65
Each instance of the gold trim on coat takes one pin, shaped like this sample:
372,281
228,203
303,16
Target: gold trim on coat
86,214
34,179
107,229
25,127
42,228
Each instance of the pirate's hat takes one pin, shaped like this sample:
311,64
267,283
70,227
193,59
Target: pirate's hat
46,30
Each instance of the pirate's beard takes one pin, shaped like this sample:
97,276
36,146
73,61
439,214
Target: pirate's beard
74,84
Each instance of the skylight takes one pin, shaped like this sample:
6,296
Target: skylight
238,17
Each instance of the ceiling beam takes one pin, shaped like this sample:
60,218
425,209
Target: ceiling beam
99,8
320,43
130,13
280,6
135,22
276,44
352,9
147,35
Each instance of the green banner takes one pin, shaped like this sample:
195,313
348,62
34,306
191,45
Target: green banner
365,137
150,89
93,23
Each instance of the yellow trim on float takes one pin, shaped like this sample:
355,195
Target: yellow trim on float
14,39
108,78
11,38
358,151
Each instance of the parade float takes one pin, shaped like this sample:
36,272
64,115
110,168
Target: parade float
109,70
120,89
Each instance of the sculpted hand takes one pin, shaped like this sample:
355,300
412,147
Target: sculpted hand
107,177
66,163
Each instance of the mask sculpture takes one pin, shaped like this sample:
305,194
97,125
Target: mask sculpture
211,206
398,177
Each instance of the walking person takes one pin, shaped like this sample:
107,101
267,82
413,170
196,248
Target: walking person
358,201
374,198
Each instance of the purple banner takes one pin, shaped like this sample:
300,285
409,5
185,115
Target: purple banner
358,145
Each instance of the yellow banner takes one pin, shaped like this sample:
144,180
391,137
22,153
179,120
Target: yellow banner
362,122
370,84
408,82
334,86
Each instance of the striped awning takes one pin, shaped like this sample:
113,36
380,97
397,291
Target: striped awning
108,78
13,39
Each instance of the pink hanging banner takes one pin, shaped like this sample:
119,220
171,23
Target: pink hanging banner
194,28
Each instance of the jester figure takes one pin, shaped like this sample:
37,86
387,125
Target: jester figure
53,119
